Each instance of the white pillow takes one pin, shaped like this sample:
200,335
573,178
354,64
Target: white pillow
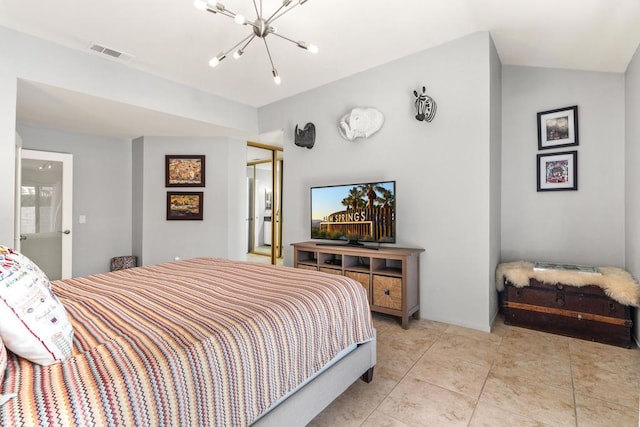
33,322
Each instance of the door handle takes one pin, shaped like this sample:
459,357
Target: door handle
23,237
65,232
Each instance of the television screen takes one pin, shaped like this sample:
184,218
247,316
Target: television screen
355,212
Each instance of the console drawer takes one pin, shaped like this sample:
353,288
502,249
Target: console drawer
362,278
387,292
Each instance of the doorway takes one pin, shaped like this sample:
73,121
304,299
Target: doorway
264,192
44,208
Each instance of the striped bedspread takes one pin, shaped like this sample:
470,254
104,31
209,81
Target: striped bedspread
196,342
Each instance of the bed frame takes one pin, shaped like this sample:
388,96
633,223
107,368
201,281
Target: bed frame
313,397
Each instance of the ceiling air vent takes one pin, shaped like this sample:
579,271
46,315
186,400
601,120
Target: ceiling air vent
115,54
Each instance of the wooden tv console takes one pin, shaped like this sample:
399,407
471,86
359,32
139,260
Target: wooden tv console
391,276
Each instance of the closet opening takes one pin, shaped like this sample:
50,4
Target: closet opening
264,191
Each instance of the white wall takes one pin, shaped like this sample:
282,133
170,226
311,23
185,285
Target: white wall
8,90
495,171
101,192
442,169
584,226
632,185
222,232
34,59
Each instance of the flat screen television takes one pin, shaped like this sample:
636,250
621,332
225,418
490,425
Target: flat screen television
354,213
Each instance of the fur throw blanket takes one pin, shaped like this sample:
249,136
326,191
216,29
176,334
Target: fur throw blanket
616,282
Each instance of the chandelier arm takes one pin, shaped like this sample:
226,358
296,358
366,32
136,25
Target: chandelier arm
255,6
253,36
250,36
270,19
232,15
284,37
268,53
301,44
274,16
223,12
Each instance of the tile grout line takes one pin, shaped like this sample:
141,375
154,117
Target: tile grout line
493,363
573,386
398,383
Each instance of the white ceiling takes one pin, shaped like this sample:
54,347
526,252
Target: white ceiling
174,40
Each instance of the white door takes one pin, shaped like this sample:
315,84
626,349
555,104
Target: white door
43,232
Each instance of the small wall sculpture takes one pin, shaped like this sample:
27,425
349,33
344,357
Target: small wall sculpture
305,137
360,123
425,106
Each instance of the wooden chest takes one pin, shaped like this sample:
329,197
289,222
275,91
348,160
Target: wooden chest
581,312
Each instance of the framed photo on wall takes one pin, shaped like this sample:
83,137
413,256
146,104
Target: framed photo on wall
184,170
184,205
558,128
557,171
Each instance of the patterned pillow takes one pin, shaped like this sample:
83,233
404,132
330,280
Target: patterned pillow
33,322
23,261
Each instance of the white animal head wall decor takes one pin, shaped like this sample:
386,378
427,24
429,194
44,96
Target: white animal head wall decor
425,106
360,123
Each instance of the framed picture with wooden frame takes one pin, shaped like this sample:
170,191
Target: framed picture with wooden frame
184,205
184,170
558,128
557,171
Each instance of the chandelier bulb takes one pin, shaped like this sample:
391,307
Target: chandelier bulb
237,54
200,4
276,77
240,19
216,60
308,46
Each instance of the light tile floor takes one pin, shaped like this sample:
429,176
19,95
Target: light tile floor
434,374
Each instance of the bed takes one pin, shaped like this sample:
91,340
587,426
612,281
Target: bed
198,342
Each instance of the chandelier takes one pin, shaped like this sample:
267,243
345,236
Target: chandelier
261,28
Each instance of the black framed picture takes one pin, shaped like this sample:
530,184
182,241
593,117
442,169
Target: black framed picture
183,205
558,128
557,171
184,170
